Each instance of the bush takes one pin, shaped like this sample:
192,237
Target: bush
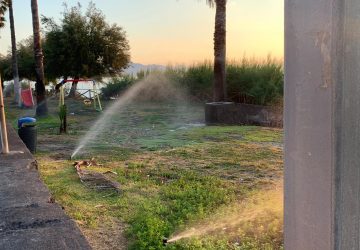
255,82
248,81
198,79
116,86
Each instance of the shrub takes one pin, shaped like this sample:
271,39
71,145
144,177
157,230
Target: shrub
116,86
248,81
198,79
255,82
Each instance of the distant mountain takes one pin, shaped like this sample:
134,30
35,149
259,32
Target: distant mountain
134,68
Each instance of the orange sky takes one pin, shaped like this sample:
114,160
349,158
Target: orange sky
176,31
251,31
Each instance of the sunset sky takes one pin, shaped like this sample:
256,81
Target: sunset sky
175,31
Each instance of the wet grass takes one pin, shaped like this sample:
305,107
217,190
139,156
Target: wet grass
173,172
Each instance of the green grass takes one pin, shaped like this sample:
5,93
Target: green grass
173,174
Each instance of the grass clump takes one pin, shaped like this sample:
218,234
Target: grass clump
248,81
116,86
188,198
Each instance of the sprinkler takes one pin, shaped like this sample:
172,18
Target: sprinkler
165,241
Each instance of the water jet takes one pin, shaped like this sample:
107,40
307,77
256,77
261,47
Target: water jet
155,85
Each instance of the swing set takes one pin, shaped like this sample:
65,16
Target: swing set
89,94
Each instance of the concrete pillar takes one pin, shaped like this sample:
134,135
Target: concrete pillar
322,124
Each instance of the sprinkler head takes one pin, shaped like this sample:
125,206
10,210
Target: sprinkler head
165,241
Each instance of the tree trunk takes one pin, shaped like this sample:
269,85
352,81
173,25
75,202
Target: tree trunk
17,87
74,87
220,92
41,108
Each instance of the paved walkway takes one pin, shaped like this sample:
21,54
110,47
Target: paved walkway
27,219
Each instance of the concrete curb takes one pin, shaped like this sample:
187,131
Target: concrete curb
27,219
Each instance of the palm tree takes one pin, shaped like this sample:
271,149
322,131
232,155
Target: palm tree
41,108
14,59
220,92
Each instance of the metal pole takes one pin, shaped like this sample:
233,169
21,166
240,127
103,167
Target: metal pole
1,144
97,96
5,144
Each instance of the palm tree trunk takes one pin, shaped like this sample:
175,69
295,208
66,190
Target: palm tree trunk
15,70
220,92
41,108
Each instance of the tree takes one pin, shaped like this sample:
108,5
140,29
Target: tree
41,108
14,60
84,45
26,61
220,92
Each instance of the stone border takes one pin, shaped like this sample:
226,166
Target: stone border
230,113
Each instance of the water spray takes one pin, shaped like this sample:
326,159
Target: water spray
154,82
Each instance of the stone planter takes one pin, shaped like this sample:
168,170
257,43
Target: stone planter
230,113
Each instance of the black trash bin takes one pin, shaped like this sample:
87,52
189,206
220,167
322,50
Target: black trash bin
27,131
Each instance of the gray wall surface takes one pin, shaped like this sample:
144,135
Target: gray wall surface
322,124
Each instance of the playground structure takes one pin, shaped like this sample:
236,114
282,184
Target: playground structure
89,95
27,99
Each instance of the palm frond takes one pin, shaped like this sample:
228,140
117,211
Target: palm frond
3,8
211,3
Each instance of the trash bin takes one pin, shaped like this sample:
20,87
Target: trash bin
27,131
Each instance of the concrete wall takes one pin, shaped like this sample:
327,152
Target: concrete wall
243,114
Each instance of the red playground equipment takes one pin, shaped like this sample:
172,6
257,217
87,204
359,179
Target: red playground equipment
27,98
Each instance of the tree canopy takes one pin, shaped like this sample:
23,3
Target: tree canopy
84,44
26,61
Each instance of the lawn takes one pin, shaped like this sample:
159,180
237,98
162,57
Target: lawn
207,187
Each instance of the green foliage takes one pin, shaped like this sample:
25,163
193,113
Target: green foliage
26,61
84,44
249,81
255,82
116,86
5,67
190,197
198,79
